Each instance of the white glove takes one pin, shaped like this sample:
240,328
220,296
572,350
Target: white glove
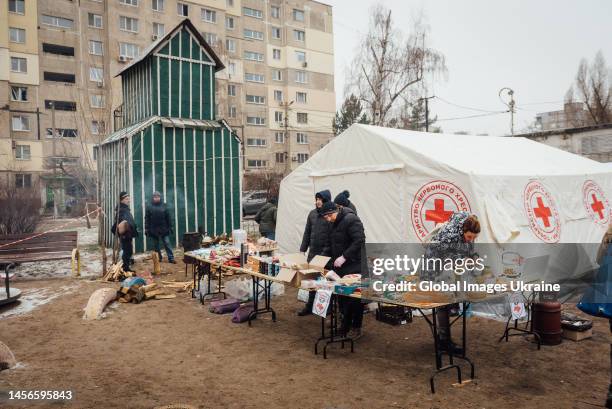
339,261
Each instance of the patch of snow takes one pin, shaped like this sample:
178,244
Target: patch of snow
34,298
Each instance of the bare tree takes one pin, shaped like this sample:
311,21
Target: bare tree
21,208
594,89
391,66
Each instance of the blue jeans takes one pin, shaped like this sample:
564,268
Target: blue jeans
270,235
166,241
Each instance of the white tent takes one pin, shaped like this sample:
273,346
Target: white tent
404,183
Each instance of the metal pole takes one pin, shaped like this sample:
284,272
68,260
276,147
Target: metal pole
54,160
426,114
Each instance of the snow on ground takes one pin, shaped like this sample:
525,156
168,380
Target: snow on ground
35,297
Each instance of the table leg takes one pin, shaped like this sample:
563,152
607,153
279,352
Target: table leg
210,293
334,336
262,286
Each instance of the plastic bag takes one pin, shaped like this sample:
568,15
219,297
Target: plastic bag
204,286
242,289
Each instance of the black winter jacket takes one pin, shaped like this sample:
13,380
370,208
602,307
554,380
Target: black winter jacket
123,213
157,220
266,217
347,238
316,235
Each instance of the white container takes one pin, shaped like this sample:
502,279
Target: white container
239,237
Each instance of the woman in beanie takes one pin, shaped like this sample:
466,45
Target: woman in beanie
125,228
342,199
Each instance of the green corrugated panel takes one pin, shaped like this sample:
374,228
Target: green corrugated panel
195,91
158,152
206,92
147,147
199,176
137,180
154,91
186,90
195,49
176,82
164,90
186,46
219,210
180,182
175,45
210,204
165,50
169,172
227,178
236,176
190,198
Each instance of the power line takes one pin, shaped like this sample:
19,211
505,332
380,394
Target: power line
464,106
472,116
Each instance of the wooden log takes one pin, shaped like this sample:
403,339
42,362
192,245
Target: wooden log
164,296
156,265
149,287
153,293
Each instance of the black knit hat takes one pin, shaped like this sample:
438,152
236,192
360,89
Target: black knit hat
342,198
324,195
327,208
123,195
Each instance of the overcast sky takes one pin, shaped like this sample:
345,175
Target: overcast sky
534,47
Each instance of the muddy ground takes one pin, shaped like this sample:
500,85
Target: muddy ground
174,351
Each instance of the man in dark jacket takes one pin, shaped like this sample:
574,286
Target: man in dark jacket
125,228
347,242
315,239
266,218
158,226
342,199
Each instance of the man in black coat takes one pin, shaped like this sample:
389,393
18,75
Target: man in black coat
315,239
125,227
347,251
158,226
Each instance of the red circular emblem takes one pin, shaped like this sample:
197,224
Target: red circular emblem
434,203
596,203
542,212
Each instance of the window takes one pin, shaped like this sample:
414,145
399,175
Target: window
298,15
23,180
253,77
128,24
60,105
159,29
182,9
96,101
232,111
276,33
300,56
19,94
301,97
253,56
278,95
17,6
96,74
302,118
129,2
277,75
275,12
96,47
57,21
229,23
280,157
20,123
129,50
22,152
230,44
95,20
19,64
255,99
258,142
59,77
257,163
302,157
58,49
278,116
231,90
229,3
62,133
255,35
16,35
279,137
209,16
256,120
301,77
98,127
211,38
301,138
157,5
276,53
299,35
232,68
252,12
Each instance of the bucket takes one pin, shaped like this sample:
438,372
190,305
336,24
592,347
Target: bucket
192,241
547,321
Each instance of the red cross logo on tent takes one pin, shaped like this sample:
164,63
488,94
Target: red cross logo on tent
595,203
438,214
542,212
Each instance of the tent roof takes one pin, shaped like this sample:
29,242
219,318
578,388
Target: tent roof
488,155
159,43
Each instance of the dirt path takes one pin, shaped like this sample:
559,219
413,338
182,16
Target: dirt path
175,351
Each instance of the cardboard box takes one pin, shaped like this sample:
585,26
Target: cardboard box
295,268
577,335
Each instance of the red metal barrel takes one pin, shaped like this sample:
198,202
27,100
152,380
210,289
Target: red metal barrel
547,321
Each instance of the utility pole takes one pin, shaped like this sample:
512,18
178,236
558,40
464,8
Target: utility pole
53,139
510,105
426,99
286,106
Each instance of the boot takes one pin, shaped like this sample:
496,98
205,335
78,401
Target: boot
307,310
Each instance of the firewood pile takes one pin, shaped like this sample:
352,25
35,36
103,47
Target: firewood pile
138,293
116,273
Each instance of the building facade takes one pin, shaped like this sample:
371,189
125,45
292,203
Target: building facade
60,58
573,115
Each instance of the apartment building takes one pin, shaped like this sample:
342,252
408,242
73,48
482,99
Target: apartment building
59,59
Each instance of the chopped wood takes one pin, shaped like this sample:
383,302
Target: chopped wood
153,293
149,287
164,296
156,265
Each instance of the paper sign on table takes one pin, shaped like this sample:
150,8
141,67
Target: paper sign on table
321,302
